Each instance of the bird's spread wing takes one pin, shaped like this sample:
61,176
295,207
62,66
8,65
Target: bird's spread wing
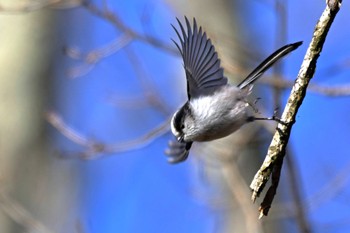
202,65
267,63
178,151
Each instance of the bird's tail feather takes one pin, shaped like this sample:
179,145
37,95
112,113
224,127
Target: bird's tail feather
267,63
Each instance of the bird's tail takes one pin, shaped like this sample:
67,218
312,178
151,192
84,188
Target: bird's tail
267,63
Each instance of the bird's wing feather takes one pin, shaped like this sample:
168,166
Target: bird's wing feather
202,65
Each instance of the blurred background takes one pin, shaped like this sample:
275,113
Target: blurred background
86,93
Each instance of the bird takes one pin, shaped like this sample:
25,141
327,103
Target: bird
214,108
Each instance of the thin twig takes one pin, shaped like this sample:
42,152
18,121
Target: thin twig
280,139
97,149
283,83
331,91
271,192
56,121
141,141
120,25
128,35
95,55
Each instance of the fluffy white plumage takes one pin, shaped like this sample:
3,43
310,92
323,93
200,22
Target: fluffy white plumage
220,114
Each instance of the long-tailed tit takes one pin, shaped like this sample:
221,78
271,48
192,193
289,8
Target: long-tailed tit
214,109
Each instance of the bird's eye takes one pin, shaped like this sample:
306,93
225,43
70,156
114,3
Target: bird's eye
182,126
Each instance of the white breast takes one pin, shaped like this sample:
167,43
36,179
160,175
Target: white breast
218,115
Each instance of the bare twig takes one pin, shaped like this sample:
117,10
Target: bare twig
96,149
332,91
119,24
271,192
94,56
280,139
128,35
283,83
141,141
56,121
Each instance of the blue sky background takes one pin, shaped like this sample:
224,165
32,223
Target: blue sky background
138,191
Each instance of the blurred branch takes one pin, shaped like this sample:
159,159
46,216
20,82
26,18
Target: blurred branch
336,184
280,139
95,149
128,36
222,160
132,102
283,83
295,187
237,186
38,5
332,91
20,215
94,56
336,68
114,19
280,38
332,188
56,121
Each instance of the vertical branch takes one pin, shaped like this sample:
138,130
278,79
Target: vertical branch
300,210
281,35
280,139
236,184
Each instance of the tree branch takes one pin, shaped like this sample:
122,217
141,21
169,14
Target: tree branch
331,91
94,149
119,24
280,139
